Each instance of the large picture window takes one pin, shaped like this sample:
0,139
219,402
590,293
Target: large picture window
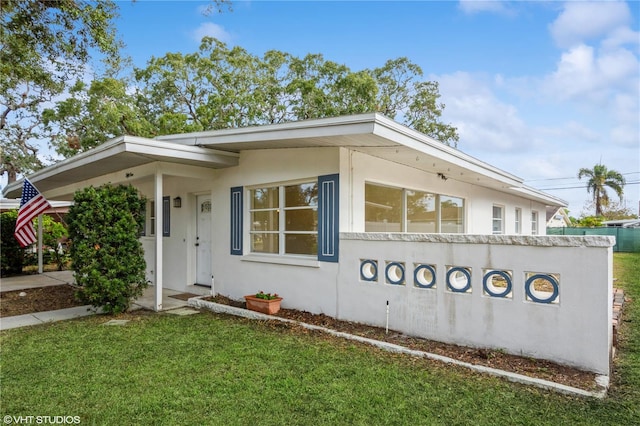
383,208
389,209
284,219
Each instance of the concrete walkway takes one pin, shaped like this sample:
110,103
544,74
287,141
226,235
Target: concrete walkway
24,282
17,321
46,279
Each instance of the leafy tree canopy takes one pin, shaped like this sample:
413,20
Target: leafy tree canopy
45,45
219,87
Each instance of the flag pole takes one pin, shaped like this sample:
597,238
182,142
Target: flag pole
40,254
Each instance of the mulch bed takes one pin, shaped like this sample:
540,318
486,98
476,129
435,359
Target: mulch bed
530,367
40,299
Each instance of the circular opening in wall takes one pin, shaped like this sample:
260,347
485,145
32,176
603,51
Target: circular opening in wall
497,283
542,288
459,279
424,276
369,270
395,273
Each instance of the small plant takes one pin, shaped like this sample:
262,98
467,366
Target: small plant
267,296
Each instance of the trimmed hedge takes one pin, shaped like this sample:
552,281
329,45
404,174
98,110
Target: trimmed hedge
106,254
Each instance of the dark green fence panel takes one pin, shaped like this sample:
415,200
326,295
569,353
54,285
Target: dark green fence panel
627,239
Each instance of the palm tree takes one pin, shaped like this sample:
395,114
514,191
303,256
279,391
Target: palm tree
599,179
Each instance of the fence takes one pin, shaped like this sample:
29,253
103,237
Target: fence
546,297
627,239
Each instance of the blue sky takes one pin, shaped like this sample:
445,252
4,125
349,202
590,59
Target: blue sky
539,89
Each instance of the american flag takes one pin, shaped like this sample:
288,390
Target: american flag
31,205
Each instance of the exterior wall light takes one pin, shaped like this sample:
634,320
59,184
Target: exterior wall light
177,202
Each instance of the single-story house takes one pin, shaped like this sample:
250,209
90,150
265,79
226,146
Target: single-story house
343,215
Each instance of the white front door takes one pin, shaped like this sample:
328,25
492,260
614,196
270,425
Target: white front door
203,240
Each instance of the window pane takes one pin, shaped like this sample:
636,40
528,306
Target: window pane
497,220
301,244
301,220
302,195
383,208
451,215
421,212
264,220
264,198
264,243
497,212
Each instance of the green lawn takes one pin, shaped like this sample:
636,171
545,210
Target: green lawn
211,369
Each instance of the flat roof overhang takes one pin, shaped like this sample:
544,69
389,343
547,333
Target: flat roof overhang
375,135
372,134
120,154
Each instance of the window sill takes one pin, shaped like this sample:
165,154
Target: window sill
282,260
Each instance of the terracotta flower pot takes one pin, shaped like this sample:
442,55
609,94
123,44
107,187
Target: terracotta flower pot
264,306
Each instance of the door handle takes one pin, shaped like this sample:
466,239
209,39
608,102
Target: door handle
197,244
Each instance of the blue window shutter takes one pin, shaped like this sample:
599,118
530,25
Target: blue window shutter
166,216
236,220
328,214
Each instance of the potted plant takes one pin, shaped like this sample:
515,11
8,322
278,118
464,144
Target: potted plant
267,303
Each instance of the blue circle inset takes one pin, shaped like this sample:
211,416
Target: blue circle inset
392,280
546,277
416,279
371,273
487,279
466,273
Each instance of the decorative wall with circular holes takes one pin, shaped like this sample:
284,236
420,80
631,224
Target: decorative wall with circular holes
394,273
542,288
459,279
424,276
369,270
497,283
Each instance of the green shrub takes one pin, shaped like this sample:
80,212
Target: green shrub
11,254
54,233
106,255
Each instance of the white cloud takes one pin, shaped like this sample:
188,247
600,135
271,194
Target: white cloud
583,74
209,29
621,36
483,121
626,113
582,21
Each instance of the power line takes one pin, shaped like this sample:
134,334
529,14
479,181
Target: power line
572,177
582,186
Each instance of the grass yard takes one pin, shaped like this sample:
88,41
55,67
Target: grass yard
211,369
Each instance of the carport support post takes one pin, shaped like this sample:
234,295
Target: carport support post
158,233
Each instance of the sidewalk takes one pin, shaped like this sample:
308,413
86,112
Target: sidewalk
22,282
7,323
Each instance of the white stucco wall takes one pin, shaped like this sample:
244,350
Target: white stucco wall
306,283
575,331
